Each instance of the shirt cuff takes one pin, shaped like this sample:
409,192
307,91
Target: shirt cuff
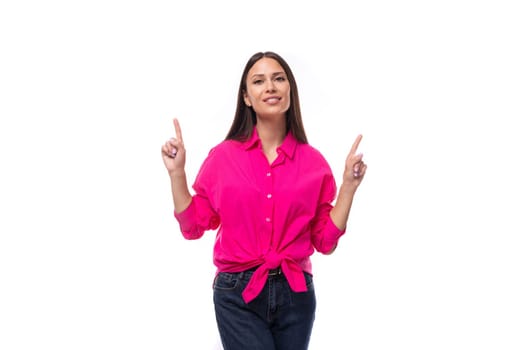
332,233
186,217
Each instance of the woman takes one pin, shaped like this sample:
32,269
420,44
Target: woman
270,195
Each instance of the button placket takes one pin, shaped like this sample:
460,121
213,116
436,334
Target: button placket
268,202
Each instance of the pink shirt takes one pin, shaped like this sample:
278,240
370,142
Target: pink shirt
268,215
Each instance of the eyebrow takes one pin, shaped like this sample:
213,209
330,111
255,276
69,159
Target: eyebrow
273,74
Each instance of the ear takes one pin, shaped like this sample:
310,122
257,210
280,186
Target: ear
247,99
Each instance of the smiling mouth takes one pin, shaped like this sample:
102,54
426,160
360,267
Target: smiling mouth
273,99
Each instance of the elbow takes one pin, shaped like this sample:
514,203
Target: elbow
322,245
326,249
196,230
330,250
190,236
193,234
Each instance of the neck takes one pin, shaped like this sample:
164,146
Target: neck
271,133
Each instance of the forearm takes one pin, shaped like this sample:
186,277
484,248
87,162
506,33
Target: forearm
180,192
341,210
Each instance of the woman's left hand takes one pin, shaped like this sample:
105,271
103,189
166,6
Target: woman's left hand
355,168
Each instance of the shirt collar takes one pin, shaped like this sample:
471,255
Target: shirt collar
253,141
288,146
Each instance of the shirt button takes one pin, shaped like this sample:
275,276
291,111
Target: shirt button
268,219
269,195
268,174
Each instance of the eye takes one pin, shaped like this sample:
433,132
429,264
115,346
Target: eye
258,81
280,78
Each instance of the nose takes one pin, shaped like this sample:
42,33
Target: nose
270,86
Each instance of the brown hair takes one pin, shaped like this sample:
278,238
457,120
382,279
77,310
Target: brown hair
245,118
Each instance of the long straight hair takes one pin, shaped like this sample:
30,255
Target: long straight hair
245,118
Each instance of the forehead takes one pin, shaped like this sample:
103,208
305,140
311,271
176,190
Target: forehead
265,66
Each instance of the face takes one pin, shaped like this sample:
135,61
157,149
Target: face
267,88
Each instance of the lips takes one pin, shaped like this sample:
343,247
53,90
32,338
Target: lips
272,99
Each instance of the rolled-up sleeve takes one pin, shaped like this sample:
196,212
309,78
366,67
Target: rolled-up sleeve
199,216
325,234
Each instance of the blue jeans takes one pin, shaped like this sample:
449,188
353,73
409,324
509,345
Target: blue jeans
277,319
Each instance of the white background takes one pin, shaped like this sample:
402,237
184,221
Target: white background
90,254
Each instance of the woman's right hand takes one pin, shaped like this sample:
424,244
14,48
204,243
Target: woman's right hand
174,153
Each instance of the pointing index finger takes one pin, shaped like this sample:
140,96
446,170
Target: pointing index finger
178,132
356,144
